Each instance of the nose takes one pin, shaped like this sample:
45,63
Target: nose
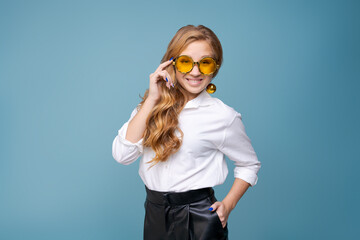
195,71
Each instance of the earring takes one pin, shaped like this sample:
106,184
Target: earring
211,88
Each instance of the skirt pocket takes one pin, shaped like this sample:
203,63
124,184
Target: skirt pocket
214,215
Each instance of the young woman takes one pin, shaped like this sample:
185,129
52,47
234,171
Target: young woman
182,134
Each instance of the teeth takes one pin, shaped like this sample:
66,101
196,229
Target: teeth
194,82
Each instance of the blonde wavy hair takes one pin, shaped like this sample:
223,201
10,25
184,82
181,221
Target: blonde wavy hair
162,122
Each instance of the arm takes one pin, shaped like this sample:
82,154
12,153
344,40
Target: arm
237,146
137,125
127,145
224,207
124,151
237,190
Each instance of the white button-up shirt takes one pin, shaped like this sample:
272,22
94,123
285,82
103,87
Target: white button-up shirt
211,130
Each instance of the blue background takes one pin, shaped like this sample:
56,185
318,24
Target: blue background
72,71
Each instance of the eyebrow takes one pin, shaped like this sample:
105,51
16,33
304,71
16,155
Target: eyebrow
206,56
203,56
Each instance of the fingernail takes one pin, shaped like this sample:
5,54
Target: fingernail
171,59
210,209
172,85
166,79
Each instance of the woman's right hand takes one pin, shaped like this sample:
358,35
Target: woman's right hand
156,77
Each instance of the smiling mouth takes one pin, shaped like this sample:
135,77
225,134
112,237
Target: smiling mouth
194,80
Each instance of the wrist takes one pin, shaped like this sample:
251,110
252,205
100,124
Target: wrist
151,101
228,205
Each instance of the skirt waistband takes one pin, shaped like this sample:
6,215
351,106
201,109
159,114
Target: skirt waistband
178,198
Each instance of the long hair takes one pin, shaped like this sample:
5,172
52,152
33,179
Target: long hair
162,132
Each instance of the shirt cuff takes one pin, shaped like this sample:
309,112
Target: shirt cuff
246,175
123,140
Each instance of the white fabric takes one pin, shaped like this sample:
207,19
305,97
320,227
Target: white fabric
211,129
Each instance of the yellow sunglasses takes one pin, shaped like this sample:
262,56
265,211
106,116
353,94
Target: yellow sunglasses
185,64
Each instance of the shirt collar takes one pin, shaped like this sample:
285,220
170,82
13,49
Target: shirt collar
203,99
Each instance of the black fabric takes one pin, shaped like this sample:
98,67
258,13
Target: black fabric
182,216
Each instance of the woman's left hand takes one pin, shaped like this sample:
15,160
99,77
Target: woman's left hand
222,211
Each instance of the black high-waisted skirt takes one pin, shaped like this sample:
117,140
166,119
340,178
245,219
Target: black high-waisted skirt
182,216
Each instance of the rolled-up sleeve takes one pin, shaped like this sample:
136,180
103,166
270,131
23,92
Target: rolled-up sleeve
124,151
237,147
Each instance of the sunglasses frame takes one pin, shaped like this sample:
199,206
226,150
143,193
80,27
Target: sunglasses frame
193,64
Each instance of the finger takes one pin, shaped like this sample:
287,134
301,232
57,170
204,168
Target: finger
167,78
164,65
164,77
171,82
221,217
215,206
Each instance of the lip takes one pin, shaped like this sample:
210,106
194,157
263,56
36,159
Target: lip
194,82
194,79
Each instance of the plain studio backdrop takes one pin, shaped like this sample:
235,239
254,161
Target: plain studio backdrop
72,71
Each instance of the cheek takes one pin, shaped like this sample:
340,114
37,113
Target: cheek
208,80
179,76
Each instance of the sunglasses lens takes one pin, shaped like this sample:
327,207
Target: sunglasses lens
184,64
207,65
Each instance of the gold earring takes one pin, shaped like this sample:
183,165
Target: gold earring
211,88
